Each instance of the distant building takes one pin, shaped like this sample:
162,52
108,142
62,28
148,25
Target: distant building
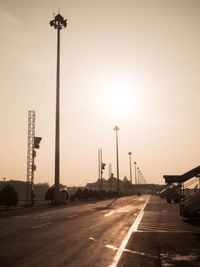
125,186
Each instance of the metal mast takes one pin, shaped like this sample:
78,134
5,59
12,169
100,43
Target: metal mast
135,172
129,153
116,129
110,177
30,157
99,167
58,23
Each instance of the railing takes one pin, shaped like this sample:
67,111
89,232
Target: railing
170,191
190,205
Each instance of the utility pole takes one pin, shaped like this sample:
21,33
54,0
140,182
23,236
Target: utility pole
129,153
58,23
116,129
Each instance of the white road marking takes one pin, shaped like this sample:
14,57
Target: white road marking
133,228
109,213
38,226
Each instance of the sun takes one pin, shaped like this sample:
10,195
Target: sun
121,98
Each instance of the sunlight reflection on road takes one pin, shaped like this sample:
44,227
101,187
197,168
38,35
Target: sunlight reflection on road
125,209
120,210
171,260
112,247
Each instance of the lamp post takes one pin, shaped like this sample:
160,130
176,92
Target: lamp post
110,177
129,153
138,180
58,23
135,172
117,129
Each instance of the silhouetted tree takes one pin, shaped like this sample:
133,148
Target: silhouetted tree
91,193
95,192
114,193
99,195
66,194
8,196
40,190
78,193
105,193
72,198
50,195
85,194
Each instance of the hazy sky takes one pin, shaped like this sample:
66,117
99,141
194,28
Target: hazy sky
133,63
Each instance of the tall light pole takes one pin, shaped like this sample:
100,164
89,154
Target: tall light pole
135,172
58,23
117,156
138,175
129,153
110,177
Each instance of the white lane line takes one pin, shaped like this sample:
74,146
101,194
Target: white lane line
38,226
109,213
133,228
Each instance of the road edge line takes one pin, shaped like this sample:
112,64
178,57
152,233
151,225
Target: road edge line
132,229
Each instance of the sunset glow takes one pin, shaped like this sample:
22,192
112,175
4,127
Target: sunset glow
121,98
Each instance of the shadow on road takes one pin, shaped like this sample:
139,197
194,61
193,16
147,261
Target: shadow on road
107,207
195,221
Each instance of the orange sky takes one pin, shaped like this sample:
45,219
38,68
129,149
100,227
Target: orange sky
131,63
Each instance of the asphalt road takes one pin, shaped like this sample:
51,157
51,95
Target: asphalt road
84,235
163,238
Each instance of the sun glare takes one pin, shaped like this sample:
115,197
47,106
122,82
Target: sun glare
121,98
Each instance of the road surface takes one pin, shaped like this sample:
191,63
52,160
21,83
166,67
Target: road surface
163,238
135,231
83,235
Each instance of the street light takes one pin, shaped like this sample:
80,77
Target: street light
138,175
117,129
58,23
135,172
129,153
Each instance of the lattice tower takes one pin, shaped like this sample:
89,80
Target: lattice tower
30,155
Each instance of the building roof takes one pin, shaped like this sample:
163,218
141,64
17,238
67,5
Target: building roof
182,178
